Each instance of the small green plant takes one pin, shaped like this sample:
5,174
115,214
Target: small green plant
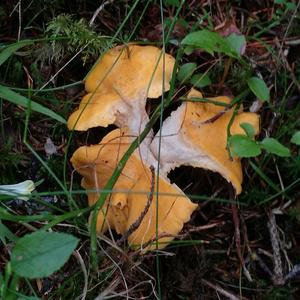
70,36
296,138
186,74
213,42
244,145
35,255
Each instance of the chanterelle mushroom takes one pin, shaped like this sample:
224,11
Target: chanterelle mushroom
119,85
196,135
96,164
117,91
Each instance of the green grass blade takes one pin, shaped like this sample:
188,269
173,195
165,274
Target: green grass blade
18,99
11,49
264,177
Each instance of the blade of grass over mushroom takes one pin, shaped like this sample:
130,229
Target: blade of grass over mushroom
234,101
206,100
18,99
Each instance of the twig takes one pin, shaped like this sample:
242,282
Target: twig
237,233
261,263
19,7
245,235
219,289
85,274
205,227
98,11
133,227
274,236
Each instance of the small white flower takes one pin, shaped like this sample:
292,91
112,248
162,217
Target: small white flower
20,190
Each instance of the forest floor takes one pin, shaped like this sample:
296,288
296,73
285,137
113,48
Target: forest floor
234,247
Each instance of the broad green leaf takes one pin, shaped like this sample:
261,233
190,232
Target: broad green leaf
243,146
41,253
11,49
186,71
213,42
200,80
296,138
206,40
237,43
290,6
259,88
7,94
273,146
248,128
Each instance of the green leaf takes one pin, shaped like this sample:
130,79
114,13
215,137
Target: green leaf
243,146
296,138
186,71
213,42
206,40
259,88
291,6
200,80
248,128
237,43
7,94
11,49
41,253
273,146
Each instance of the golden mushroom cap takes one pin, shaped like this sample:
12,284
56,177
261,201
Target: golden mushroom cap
119,86
131,191
131,71
199,131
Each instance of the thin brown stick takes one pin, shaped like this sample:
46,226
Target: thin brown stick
275,242
219,289
205,227
133,227
237,233
98,10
